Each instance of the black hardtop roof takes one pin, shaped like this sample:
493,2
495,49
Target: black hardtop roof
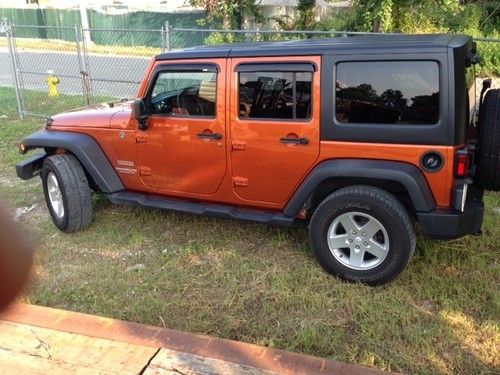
414,43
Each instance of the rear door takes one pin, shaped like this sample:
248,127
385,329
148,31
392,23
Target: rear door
274,125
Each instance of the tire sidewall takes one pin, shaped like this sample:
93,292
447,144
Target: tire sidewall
48,167
397,257
488,134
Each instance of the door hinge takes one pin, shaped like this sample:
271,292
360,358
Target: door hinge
240,181
238,145
145,171
141,138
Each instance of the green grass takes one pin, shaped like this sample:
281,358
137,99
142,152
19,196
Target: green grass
260,284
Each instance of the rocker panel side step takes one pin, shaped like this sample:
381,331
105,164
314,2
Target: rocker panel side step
198,208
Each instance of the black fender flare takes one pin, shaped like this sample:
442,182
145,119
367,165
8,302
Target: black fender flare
86,149
406,174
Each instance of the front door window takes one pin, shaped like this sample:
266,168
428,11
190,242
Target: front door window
184,94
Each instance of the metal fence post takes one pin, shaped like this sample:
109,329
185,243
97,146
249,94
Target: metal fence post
15,69
168,36
80,65
86,76
162,31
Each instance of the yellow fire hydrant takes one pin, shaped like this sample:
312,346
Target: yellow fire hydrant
52,82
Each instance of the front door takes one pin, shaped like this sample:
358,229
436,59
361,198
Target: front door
182,150
274,125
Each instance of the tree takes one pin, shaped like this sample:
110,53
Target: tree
363,92
306,19
424,15
375,15
393,99
229,14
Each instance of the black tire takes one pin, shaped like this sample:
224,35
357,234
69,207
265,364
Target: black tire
488,164
73,189
379,205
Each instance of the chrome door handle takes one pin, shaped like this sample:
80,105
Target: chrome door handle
294,141
215,136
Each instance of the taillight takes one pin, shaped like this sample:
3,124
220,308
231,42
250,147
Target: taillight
461,163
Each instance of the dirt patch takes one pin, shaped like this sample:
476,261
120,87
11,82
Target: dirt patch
29,214
8,181
38,214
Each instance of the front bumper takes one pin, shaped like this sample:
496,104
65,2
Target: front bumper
30,167
449,224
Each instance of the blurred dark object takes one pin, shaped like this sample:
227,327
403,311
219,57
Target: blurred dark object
16,257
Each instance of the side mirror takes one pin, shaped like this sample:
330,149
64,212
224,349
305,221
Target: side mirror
139,113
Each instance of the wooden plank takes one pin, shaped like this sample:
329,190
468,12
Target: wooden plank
205,346
26,349
171,362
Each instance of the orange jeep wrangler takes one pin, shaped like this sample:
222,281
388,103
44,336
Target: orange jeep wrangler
361,137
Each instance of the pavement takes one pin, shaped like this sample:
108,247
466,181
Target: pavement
41,340
105,71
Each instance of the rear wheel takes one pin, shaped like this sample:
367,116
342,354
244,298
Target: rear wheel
67,192
362,233
488,165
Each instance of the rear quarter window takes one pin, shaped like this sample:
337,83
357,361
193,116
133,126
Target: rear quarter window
387,92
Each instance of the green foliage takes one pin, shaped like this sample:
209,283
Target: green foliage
306,19
489,53
375,15
220,38
228,14
476,18
424,16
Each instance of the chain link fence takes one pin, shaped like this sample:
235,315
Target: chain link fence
116,71
32,68
99,64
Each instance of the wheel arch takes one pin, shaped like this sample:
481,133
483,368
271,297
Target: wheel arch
404,180
329,185
85,149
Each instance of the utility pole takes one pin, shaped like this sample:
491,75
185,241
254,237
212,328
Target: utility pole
85,22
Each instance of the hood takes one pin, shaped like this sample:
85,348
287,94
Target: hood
95,116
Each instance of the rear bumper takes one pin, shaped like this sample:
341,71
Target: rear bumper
449,224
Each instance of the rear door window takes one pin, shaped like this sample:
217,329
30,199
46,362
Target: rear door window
275,95
387,92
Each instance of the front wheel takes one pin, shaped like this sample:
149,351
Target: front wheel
67,192
362,233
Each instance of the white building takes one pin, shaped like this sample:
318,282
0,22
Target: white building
288,9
